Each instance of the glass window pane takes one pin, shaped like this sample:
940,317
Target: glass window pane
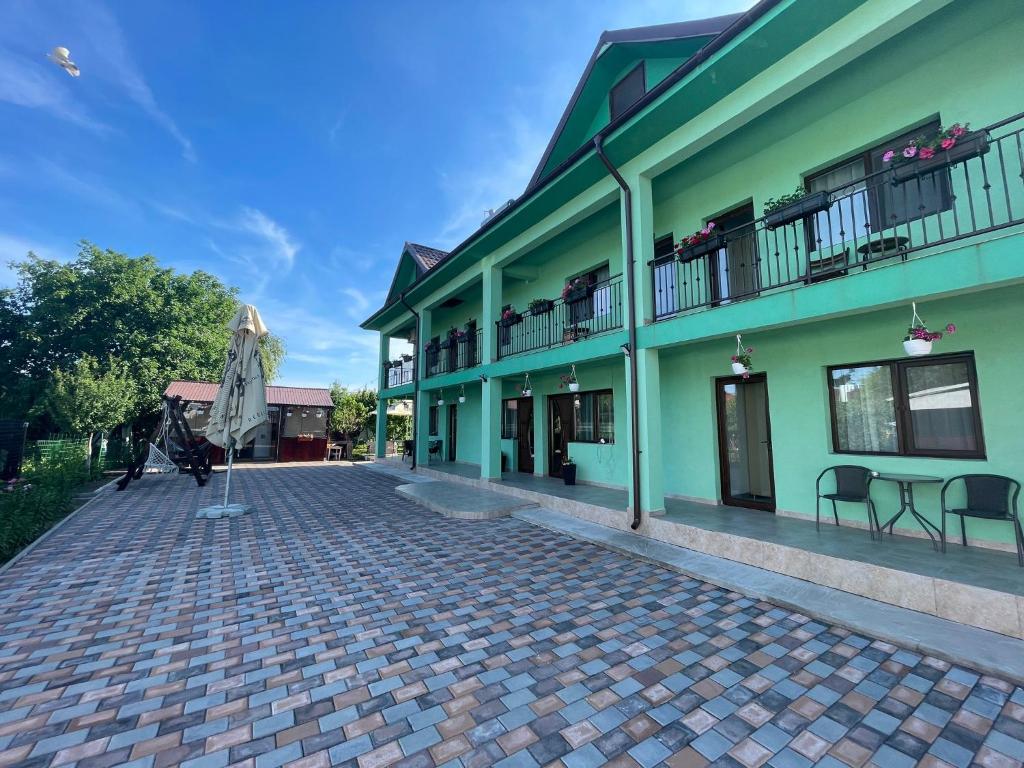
584,404
942,407
509,420
605,418
864,407
846,217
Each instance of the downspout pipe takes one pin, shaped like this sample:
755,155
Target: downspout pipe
415,377
630,325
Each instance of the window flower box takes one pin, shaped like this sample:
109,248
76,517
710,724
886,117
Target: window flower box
510,318
974,144
447,343
795,210
576,293
712,244
406,358
541,306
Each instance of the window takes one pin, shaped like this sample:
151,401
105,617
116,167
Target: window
433,420
510,419
595,417
665,299
916,407
627,91
873,204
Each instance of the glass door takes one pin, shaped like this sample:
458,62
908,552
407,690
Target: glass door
745,443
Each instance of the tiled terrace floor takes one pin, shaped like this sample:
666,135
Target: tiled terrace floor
976,566
343,625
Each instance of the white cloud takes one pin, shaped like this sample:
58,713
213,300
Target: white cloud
15,248
257,223
110,50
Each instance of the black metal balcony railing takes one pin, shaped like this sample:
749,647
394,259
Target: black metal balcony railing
871,220
563,322
399,372
456,355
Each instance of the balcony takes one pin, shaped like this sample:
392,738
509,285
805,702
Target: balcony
877,219
455,353
399,372
597,310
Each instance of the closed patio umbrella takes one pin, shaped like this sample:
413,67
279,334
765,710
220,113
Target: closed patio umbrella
241,403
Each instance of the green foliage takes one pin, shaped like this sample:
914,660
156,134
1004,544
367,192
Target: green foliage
399,427
774,203
90,397
143,322
351,414
43,497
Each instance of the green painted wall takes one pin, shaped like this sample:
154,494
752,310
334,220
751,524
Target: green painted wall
795,360
607,464
594,241
935,70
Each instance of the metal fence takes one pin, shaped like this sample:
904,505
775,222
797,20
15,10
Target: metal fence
875,219
455,354
563,321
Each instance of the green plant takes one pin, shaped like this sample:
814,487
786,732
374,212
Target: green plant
775,203
40,498
540,304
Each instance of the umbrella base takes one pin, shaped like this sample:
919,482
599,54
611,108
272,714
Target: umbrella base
222,510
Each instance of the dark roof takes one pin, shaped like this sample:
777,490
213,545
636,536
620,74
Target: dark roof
206,392
426,257
674,31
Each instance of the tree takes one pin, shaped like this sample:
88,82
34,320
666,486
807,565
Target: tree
352,409
89,397
158,324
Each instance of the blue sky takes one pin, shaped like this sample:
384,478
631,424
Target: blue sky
289,148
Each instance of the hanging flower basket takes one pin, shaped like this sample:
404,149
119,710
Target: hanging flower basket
918,341
574,386
569,380
742,361
790,208
462,398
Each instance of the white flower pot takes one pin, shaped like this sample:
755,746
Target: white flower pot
462,398
527,392
739,369
574,386
440,402
917,347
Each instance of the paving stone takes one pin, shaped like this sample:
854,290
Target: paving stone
343,625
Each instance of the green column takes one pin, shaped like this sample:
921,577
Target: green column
540,435
643,248
423,402
490,429
491,312
652,484
381,434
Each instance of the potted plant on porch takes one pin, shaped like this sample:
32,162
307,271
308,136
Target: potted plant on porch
926,154
541,306
785,209
509,316
569,380
700,243
918,341
575,290
569,471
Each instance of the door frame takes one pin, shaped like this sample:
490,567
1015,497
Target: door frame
525,403
723,458
453,428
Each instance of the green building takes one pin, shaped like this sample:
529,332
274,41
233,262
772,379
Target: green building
598,276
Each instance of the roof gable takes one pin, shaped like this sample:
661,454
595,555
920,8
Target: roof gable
415,261
660,49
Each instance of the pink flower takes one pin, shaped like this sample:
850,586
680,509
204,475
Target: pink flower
947,143
958,130
950,328
705,231
910,151
746,375
888,156
926,152
750,350
734,359
710,226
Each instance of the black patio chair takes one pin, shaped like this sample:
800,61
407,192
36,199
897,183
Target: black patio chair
434,449
990,497
407,448
853,484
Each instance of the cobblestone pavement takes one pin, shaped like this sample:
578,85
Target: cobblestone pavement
343,625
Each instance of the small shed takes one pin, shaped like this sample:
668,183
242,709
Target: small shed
297,429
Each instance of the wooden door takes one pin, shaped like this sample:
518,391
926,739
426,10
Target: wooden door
453,422
561,429
524,429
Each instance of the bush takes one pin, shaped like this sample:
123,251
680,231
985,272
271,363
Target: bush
40,498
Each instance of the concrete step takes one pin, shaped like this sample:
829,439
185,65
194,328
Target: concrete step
462,502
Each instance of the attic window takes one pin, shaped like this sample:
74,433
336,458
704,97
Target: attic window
627,91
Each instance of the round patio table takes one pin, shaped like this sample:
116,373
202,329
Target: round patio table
906,485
